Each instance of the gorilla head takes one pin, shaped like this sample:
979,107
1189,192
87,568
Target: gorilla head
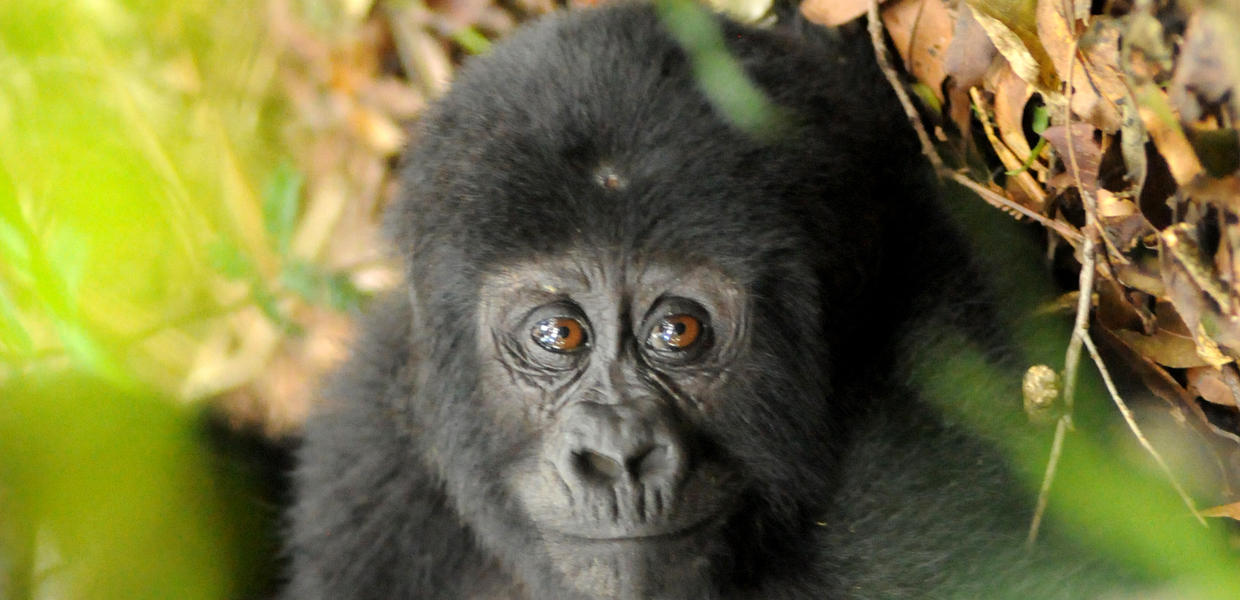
621,308
642,350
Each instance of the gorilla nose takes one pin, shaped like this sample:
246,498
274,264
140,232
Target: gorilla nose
608,445
611,464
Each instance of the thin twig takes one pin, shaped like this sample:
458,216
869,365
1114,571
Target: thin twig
1084,302
1061,430
1132,424
884,63
1066,231
1072,359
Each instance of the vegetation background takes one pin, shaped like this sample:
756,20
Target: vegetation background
190,202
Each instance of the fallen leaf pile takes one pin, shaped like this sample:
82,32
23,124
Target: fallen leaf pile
1113,123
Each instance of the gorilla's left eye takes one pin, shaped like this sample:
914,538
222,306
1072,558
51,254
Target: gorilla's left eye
560,334
675,333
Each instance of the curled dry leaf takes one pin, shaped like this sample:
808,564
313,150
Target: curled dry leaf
1217,385
1164,127
922,32
1012,26
1022,187
1086,152
1011,94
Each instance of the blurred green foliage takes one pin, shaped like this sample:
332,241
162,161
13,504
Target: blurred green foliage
109,493
130,134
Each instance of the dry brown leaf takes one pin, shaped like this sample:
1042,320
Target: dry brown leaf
1192,286
1011,95
1231,511
1224,195
968,59
1012,26
1214,385
834,12
1115,310
1142,275
1086,152
1096,82
1165,348
1109,205
1164,127
1152,375
921,31
970,52
1203,76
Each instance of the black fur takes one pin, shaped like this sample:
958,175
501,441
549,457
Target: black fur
852,486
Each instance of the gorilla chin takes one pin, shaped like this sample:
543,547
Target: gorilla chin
680,565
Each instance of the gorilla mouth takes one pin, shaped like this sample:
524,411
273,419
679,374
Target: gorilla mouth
706,523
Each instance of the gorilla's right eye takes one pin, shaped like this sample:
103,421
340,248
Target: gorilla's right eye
560,334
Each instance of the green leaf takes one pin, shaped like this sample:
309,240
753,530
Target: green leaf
67,252
926,93
87,352
472,40
281,204
1041,120
229,260
719,75
304,280
12,333
342,295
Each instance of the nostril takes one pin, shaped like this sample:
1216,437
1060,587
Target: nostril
650,463
593,465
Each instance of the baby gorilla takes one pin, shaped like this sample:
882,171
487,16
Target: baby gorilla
644,352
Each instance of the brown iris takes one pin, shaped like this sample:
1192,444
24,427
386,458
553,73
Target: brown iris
676,332
560,334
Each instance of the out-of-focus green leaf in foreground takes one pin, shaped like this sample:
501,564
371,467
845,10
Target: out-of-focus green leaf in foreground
130,134
110,494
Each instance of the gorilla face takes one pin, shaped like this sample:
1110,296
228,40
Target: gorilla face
636,408
614,366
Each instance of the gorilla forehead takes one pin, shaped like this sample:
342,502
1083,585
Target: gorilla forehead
603,141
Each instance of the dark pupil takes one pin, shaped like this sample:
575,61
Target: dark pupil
671,331
562,332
